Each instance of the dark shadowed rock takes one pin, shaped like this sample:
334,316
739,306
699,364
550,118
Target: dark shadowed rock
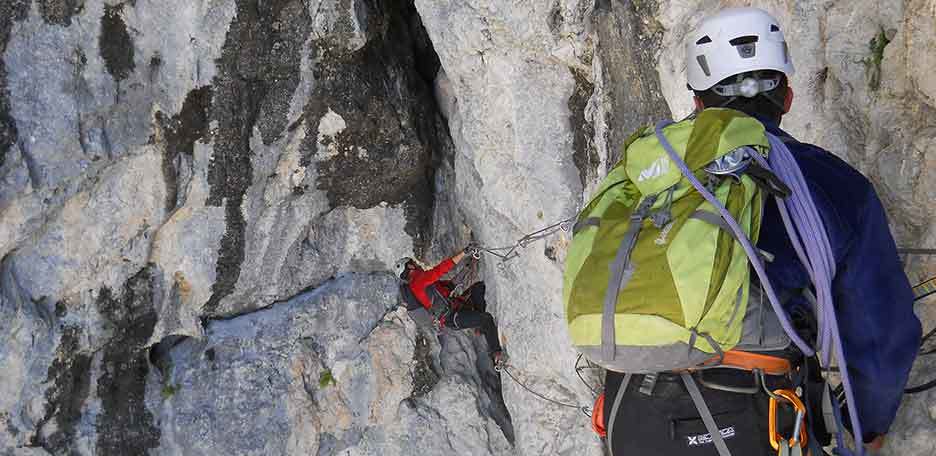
391,126
585,156
125,425
70,379
115,44
258,72
9,11
60,12
628,49
180,133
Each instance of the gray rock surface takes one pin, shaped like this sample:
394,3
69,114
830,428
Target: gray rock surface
165,164
331,371
200,201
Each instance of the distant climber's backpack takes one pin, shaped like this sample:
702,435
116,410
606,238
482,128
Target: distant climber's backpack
654,280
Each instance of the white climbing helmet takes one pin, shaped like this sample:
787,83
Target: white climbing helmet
400,266
735,41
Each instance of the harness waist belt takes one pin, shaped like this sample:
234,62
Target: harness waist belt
770,365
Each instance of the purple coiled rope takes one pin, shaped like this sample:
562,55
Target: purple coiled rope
800,215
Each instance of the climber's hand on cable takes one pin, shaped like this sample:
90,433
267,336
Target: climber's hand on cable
472,250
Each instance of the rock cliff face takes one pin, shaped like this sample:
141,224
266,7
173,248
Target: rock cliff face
201,201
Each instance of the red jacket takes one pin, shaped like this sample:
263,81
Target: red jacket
419,280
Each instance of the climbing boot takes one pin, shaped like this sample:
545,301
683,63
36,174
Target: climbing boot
499,357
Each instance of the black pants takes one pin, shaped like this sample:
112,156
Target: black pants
668,423
473,297
472,314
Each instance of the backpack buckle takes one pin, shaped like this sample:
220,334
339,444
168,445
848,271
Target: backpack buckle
643,209
648,383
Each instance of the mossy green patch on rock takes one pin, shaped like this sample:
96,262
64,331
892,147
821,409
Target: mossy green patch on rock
168,390
326,379
873,62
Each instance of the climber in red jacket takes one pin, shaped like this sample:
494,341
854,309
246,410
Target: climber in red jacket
464,311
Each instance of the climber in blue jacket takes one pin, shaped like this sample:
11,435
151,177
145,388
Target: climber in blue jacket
738,59
873,298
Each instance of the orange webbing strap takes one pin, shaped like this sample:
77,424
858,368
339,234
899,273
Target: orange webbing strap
598,416
770,365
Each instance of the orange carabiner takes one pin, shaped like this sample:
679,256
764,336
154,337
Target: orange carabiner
800,408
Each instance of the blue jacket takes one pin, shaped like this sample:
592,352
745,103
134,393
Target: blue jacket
873,298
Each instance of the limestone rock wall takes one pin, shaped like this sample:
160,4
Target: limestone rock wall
167,166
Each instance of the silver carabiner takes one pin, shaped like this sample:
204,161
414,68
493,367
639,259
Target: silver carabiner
732,164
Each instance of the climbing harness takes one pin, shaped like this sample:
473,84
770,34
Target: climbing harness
510,252
505,368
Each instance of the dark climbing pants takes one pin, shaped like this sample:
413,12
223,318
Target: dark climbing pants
465,319
472,314
474,297
666,421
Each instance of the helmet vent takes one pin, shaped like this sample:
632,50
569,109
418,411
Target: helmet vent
743,40
703,40
774,28
704,65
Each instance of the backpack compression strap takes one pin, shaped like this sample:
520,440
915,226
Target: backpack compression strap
621,273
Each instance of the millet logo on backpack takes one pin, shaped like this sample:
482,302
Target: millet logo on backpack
706,439
661,240
656,169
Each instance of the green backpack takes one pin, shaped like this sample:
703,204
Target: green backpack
653,282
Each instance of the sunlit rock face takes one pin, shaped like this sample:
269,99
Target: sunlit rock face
201,203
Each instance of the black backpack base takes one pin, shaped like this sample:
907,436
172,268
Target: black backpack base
667,422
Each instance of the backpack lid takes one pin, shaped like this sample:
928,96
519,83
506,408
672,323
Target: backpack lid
713,133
